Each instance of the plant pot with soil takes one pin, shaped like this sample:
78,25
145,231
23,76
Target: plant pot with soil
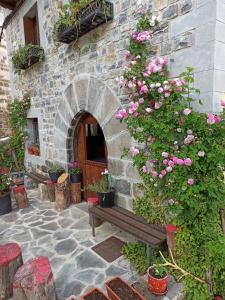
118,289
5,197
217,297
104,190
158,280
75,172
54,172
94,294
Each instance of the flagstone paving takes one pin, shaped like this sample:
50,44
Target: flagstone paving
66,239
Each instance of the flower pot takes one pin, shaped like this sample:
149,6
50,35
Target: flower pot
157,286
94,294
5,204
55,175
75,178
106,199
118,289
216,297
30,150
36,151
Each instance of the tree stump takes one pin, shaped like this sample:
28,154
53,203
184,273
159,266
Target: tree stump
34,281
51,190
62,193
10,261
75,190
21,197
43,191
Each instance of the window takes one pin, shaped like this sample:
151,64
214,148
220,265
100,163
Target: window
33,137
95,143
31,27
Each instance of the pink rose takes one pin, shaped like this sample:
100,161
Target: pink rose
165,161
169,169
171,163
157,105
210,116
175,159
154,173
222,103
160,176
163,172
144,169
188,162
180,162
141,100
217,119
186,111
165,154
190,181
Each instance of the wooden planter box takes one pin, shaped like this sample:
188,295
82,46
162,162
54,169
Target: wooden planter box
32,59
124,289
94,294
96,13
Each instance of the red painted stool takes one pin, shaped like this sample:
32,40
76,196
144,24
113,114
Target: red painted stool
10,261
34,281
21,196
51,190
91,203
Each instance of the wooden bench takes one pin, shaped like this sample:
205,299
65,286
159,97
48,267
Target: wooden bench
152,235
37,177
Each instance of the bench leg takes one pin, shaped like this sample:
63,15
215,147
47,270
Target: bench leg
149,255
93,225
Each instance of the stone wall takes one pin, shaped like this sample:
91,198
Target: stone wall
81,76
4,85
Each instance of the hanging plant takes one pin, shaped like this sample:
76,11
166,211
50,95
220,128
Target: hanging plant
181,159
78,18
27,56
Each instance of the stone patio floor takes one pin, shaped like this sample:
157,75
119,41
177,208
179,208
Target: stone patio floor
66,239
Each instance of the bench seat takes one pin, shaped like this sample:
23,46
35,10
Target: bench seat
152,235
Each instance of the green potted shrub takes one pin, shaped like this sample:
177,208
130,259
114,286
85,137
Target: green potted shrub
5,197
54,172
104,190
75,172
158,280
27,56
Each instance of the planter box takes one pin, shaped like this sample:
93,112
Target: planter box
33,58
97,12
117,289
94,294
5,204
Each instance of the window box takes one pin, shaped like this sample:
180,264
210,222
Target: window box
96,13
27,56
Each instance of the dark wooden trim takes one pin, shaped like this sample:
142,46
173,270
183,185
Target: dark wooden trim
38,177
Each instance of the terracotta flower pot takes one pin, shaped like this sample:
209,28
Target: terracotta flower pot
157,286
216,297
117,289
94,294
36,150
30,150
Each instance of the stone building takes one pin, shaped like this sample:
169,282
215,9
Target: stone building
4,84
74,94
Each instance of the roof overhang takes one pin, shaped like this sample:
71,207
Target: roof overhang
10,4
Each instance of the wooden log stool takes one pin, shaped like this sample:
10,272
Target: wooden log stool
21,196
43,191
34,281
75,190
62,193
51,190
91,203
10,261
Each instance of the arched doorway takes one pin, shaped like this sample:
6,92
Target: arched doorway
91,151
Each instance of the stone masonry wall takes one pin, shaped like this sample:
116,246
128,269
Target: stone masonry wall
4,86
81,76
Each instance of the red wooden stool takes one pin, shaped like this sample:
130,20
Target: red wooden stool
21,196
10,261
34,281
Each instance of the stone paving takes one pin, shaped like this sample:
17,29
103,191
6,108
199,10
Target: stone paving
66,239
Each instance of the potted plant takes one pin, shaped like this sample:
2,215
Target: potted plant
54,172
78,18
94,294
118,289
75,172
34,149
27,56
104,190
158,280
5,197
217,297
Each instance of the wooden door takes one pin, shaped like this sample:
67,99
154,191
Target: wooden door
91,152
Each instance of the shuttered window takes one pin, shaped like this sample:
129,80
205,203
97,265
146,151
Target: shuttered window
31,26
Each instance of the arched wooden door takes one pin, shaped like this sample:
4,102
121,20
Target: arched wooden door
91,152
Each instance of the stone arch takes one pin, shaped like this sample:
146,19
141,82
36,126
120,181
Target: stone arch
87,94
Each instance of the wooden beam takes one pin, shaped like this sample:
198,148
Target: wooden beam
10,4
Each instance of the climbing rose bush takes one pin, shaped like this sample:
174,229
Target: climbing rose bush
181,159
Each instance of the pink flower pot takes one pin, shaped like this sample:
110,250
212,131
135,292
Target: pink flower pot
111,287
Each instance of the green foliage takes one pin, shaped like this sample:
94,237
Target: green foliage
136,254
22,56
18,122
54,168
103,186
159,271
4,183
189,195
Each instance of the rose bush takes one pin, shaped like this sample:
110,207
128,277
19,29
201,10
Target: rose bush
181,159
